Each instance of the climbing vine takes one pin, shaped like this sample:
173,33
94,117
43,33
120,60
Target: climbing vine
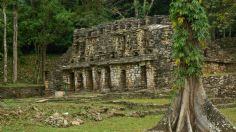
190,25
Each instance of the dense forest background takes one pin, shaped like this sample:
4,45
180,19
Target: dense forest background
46,26
51,22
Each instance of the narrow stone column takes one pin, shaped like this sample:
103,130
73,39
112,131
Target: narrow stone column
103,80
85,79
76,81
94,74
150,76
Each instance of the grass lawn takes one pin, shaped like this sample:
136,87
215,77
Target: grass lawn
230,114
18,85
116,124
26,122
161,101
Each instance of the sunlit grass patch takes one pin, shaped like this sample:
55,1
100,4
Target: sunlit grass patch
230,113
18,85
161,101
116,124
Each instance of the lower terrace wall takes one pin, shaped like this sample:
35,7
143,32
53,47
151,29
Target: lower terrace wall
223,85
21,92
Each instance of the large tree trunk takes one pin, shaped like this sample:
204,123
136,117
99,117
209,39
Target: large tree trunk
193,112
5,40
15,34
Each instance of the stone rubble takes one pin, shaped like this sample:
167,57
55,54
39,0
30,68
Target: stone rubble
61,120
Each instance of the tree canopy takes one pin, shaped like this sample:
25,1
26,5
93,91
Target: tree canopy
52,22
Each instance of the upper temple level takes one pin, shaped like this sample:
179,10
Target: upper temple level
121,41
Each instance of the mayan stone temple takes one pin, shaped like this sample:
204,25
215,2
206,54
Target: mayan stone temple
135,54
126,55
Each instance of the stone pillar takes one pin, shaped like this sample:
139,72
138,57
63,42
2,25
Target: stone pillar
85,79
76,81
103,80
150,76
140,41
94,74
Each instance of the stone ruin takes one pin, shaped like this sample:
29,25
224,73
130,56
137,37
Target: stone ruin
130,54
135,54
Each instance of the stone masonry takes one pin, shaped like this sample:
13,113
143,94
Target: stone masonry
135,54
130,54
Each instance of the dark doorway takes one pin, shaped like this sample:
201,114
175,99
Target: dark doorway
98,78
108,78
144,76
123,79
80,82
90,80
72,81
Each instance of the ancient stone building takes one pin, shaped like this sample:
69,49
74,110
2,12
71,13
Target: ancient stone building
135,54
125,55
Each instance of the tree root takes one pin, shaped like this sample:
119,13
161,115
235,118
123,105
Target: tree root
193,112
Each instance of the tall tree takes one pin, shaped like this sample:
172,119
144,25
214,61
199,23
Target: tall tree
191,110
53,18
221,15
142,8
4,6
15,35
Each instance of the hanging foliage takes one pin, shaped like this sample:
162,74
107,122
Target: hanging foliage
190,25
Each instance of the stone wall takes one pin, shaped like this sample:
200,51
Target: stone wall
21,92
220,56
220,85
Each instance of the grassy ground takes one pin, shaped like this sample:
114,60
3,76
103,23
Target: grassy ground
17,85
116,124
21,115
148,101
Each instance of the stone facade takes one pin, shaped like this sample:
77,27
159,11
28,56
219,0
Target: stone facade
130,54
135,54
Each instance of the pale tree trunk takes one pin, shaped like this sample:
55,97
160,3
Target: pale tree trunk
136,6
149,8
38,63
43,61
144,7
4,6
193,112
15,35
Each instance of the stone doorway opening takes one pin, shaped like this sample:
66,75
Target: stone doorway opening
123,80
108,78
80,82
90,80
72,81
98,80
144,76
